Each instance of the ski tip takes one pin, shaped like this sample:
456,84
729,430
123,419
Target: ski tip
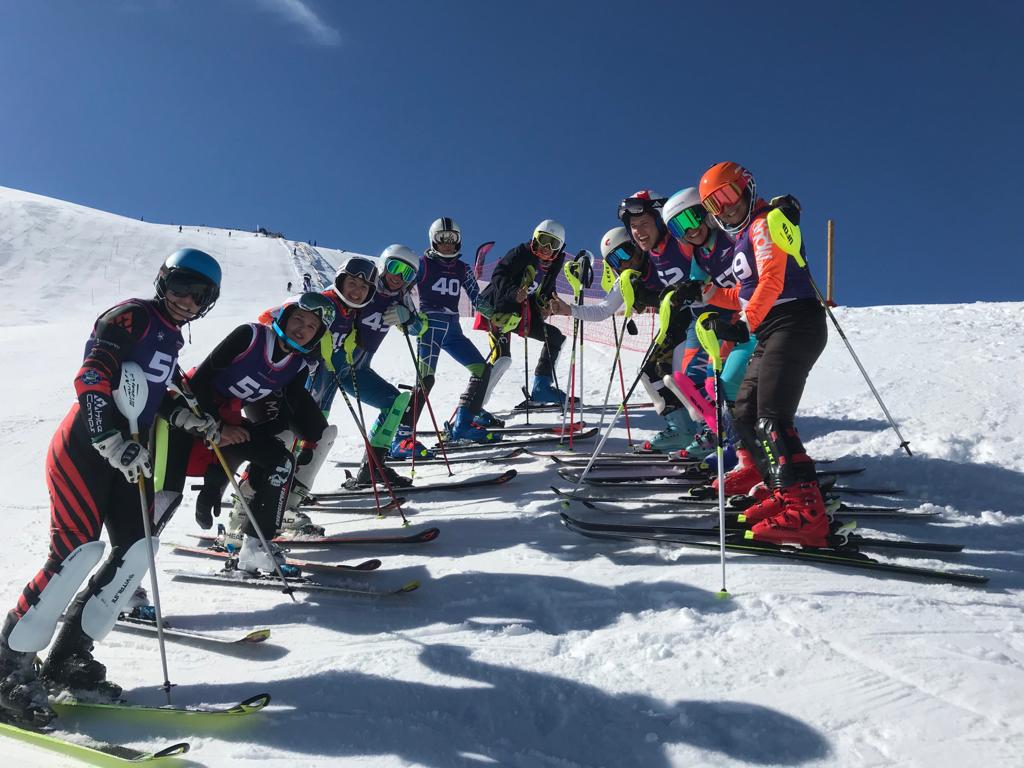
256,636
180,748
253,703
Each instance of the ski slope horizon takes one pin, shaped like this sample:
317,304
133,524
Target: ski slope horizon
528,645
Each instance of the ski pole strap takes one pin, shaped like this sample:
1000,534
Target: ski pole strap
607,277
570,269
664,318
785,234
709,340
626,288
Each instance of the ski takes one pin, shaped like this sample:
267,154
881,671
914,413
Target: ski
303,565
654,477
95,752
248,707
842,535
144,626
300,584
294,542
348,510
523,442
851,559
827,486
683,505
496,458
521,409
540,429
455,485
616,462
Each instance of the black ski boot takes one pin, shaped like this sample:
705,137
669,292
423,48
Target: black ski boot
362,478
71,666
23,698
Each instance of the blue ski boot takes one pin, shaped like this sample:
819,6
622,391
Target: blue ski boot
489,420
677,434
404,447
544,391
465,427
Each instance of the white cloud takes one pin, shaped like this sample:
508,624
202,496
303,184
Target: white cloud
299,13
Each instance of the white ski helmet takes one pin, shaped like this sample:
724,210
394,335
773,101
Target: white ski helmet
617,247
687,202
551,231
399,260
445,230
613,239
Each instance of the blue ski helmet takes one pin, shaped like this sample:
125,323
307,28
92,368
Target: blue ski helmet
189,271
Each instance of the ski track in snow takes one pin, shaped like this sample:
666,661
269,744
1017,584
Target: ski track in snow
528,645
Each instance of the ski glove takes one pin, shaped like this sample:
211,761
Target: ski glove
726,331
631,328
397,314
685,293
205,426
127,456
207,507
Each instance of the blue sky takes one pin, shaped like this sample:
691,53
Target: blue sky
356,124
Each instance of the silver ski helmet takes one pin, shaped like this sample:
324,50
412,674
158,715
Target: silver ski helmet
445,231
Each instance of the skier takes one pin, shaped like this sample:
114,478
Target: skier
780,305
516,300
260,370
627,258
93,467
443,277
688,222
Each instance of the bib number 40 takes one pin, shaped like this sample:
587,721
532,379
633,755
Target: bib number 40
447,286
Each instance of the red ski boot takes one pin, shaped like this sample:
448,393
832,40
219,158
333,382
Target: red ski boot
744,476
802,521
769,504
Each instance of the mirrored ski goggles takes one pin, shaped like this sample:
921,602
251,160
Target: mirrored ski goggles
620,256
637,206
545,240
691,218
447,237
723,197
405,271
319,305
182,283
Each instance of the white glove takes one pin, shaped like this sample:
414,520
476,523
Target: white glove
397,314
126,455
205,426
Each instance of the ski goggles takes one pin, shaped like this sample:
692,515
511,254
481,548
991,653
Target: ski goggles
319,305
685,220
723,197
637,206
184,283
620,256
545,240
448,237
364,269
405,271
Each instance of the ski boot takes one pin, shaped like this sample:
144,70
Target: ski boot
363,479
702,446
488,420
23,698
743,477
464,427
544,392
802,521
404,447
71,667
296,523
139,607
253,558
677,434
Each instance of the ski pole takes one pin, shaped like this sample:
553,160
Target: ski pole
130,398
193,404
786,235
709,341
373,462
572,388
615,417
426,399
526,366
617,363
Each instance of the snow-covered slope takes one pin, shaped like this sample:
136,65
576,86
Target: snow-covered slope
527,645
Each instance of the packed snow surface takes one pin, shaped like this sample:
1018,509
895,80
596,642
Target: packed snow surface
528,645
